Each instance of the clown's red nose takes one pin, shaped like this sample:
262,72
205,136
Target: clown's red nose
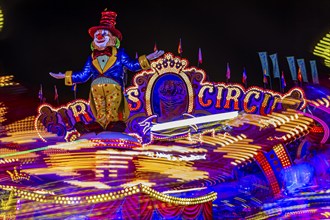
99,36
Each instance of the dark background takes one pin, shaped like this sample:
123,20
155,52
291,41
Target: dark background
42,36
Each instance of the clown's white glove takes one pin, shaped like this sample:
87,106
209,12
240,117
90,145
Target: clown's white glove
155,54
57,75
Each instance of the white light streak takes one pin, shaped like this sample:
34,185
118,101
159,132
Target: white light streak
194,121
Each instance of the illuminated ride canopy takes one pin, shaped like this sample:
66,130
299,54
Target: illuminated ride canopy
230,166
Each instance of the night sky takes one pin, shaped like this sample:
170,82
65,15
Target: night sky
42,36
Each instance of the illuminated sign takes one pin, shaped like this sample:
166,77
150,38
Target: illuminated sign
61,120
171,90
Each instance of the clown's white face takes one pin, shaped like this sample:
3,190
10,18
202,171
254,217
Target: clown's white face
103,38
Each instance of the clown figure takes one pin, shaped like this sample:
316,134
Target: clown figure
106,68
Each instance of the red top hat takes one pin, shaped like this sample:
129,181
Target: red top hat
108,22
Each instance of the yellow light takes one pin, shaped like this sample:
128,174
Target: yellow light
322,49
319,53
324,42
228,150
1,19
242,154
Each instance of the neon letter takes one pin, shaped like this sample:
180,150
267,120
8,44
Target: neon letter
230,96
248,98
201,95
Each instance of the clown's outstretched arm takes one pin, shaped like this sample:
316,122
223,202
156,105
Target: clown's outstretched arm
57,75
155,55
72,77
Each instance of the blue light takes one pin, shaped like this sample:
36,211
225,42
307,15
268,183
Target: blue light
297,177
